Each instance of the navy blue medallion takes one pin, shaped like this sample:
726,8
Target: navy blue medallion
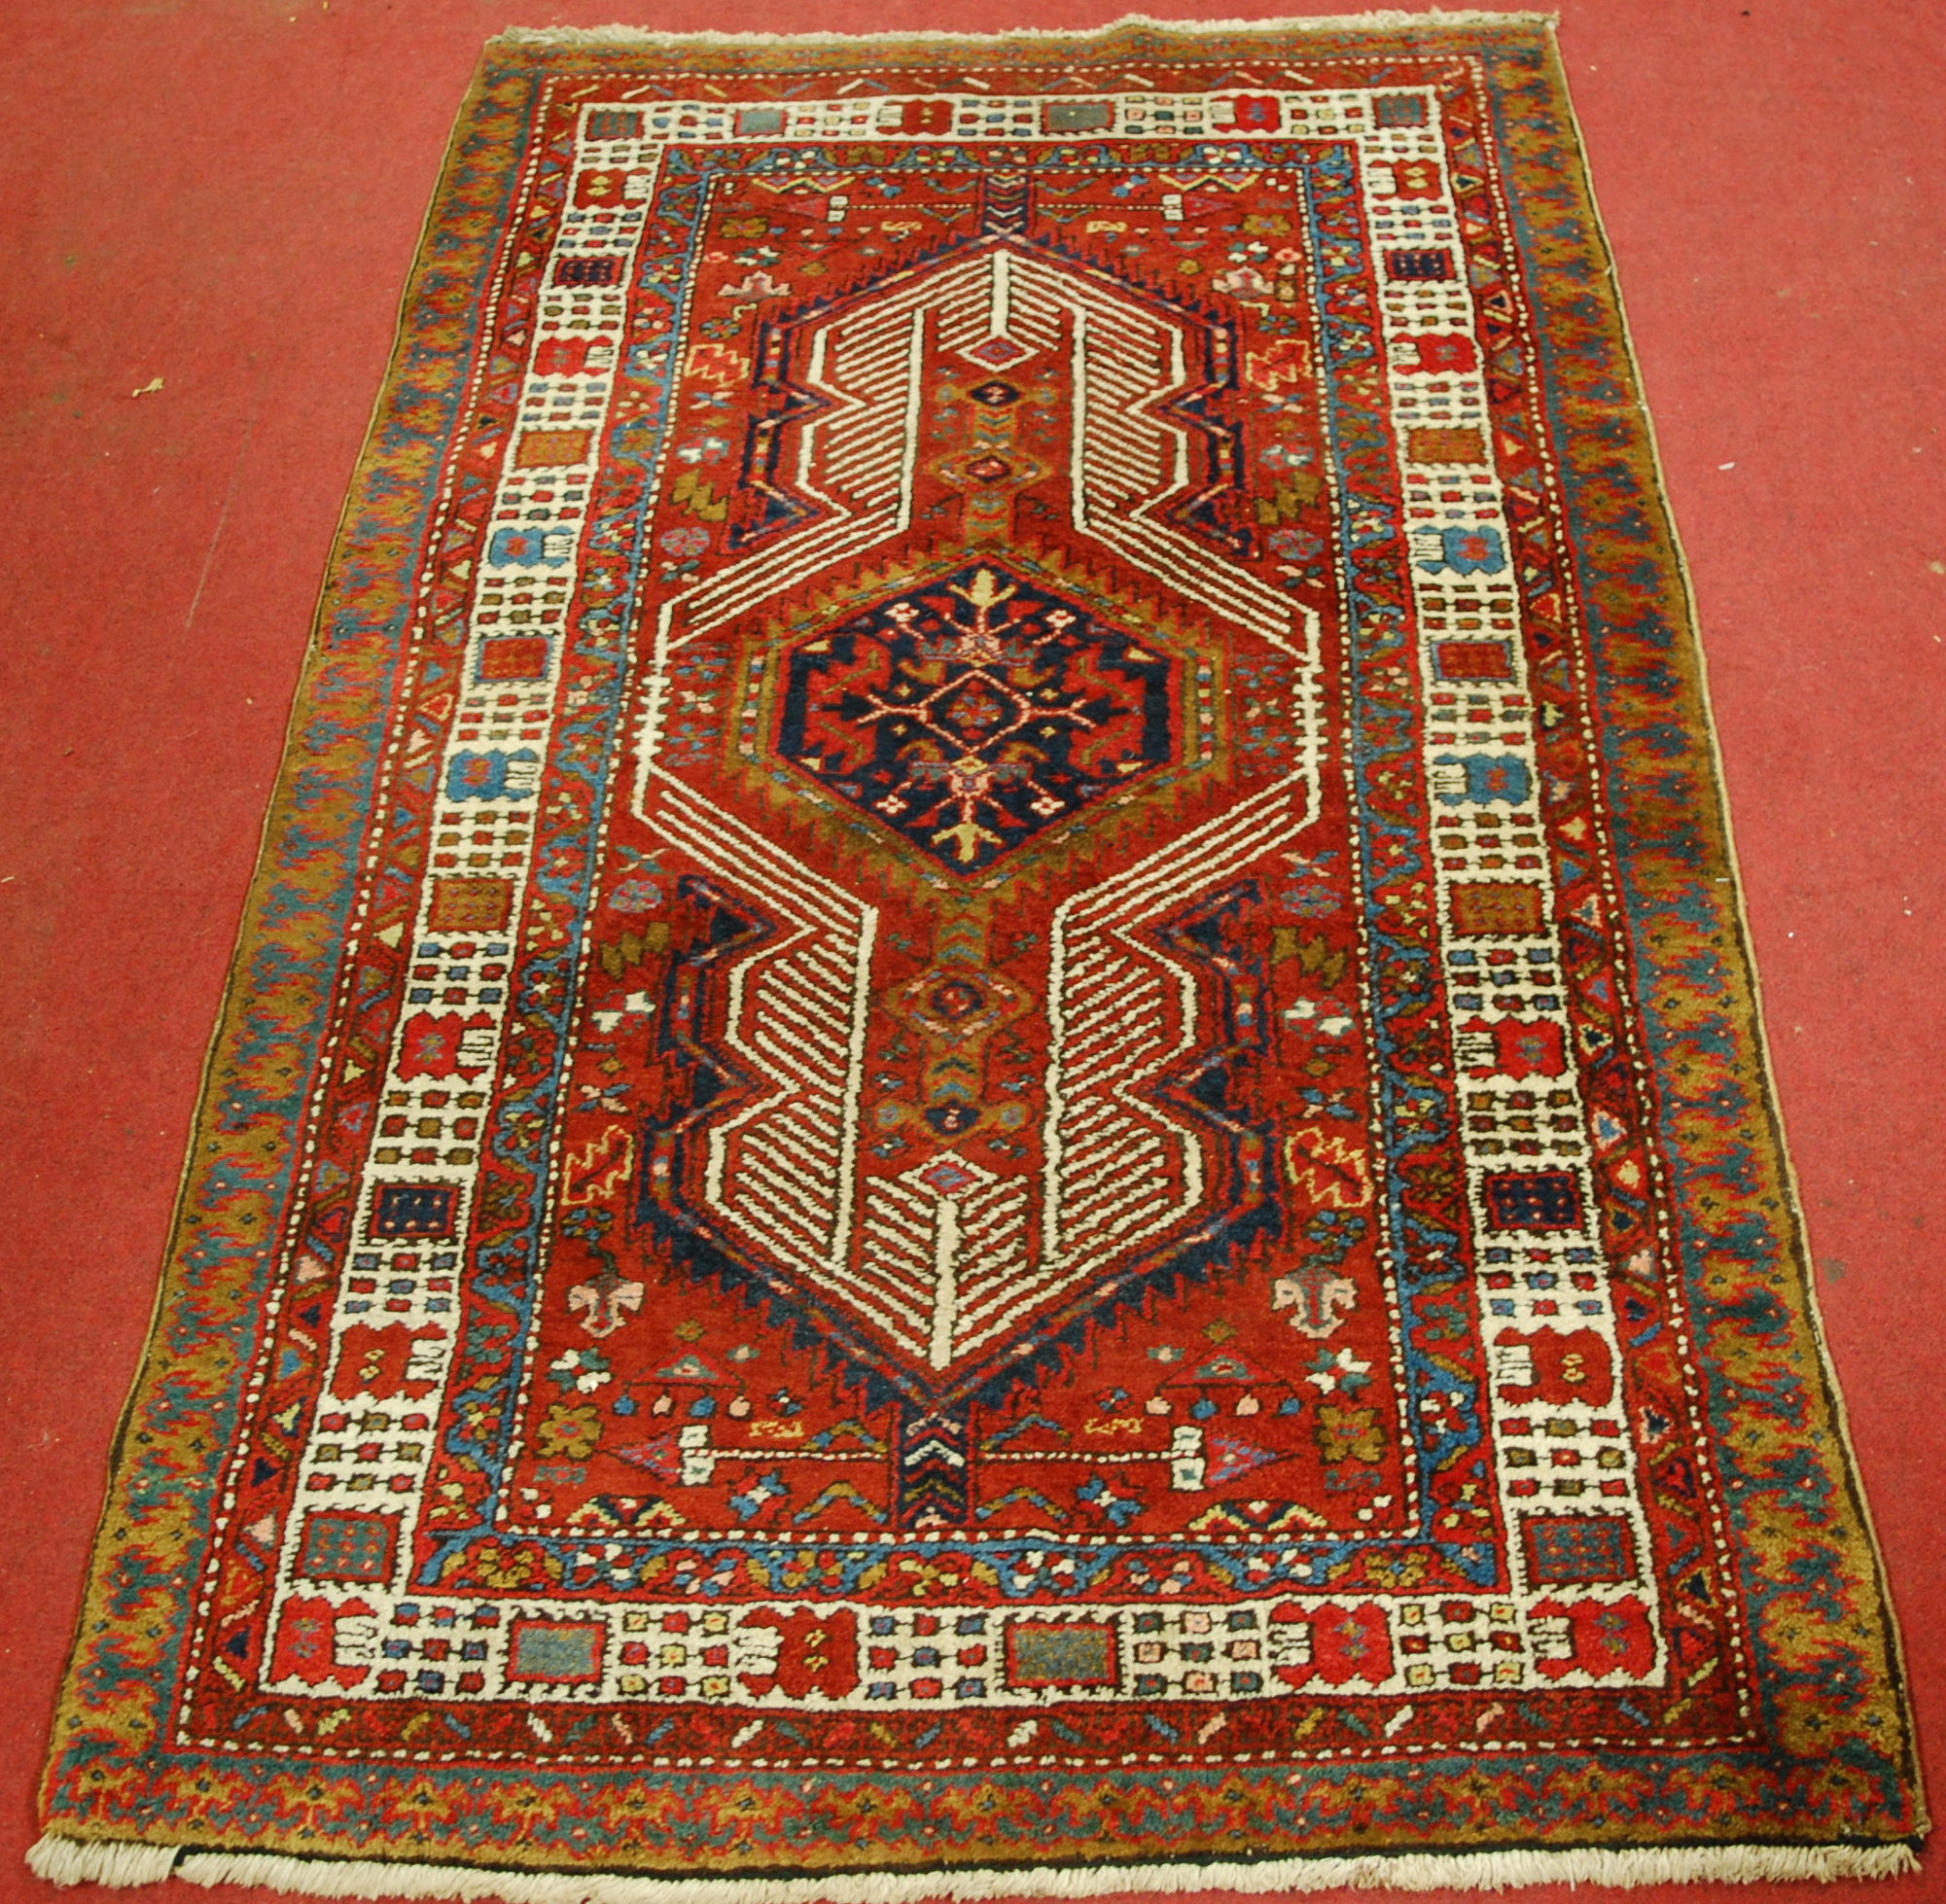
974,713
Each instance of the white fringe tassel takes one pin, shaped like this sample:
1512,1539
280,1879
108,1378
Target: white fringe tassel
1389,17
75,1861
82,1861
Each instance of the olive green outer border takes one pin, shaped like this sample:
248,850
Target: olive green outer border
352,655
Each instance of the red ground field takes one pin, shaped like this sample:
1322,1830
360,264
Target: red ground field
225,194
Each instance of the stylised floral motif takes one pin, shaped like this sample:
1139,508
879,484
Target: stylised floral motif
972,715
961,1124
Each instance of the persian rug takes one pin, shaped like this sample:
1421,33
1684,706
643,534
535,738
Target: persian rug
992,1118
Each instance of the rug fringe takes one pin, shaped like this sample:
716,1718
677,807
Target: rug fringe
88,1861
619,35
74,1862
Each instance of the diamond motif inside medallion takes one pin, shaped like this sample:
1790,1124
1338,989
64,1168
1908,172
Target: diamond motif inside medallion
973,713
998,352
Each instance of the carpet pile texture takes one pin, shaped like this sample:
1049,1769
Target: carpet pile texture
992,1120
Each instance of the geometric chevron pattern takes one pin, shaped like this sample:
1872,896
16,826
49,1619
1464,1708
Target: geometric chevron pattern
1001,1094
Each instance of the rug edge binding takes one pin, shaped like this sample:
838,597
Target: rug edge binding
124,1865
1717,790
620,34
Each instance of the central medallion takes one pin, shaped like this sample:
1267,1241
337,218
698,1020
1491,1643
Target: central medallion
976,712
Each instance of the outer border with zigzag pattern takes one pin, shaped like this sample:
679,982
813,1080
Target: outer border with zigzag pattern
1842,1753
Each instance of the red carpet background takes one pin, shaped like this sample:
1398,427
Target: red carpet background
225,194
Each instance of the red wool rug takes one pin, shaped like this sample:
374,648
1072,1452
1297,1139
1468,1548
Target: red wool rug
991,1119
